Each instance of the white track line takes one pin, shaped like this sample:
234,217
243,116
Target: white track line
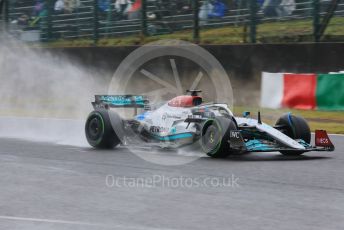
51,221
45,220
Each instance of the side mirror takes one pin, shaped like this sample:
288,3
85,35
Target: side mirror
246,114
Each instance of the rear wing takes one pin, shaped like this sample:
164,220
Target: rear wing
120,101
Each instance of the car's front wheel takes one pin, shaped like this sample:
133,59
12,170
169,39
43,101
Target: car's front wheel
296,128
215,136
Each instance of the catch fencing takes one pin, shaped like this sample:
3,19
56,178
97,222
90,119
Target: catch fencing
208,21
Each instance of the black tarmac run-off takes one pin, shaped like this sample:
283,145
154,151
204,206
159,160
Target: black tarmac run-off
49,186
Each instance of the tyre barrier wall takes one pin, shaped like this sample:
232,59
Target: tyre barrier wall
303,91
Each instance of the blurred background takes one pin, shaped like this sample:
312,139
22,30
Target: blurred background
59,53
130,22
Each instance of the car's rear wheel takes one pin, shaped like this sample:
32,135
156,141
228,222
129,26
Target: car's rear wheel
296,128
99,131
215,137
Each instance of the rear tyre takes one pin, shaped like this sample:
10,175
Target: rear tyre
99,131
215,137
296,128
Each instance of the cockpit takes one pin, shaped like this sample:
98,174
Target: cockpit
187,100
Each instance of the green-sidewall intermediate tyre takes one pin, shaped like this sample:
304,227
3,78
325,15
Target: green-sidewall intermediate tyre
99,131
215,137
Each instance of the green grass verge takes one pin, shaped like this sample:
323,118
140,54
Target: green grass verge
331,121
269,32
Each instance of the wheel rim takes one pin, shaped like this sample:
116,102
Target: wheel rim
211,139
95,128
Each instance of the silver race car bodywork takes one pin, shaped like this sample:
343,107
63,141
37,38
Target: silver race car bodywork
181,121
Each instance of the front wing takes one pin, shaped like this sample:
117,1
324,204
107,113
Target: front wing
260,145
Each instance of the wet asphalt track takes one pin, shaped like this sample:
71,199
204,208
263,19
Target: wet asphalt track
49,186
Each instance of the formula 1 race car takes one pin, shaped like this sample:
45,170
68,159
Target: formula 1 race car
187,120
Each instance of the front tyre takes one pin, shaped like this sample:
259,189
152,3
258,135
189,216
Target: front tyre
215,137
99,131
296,128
